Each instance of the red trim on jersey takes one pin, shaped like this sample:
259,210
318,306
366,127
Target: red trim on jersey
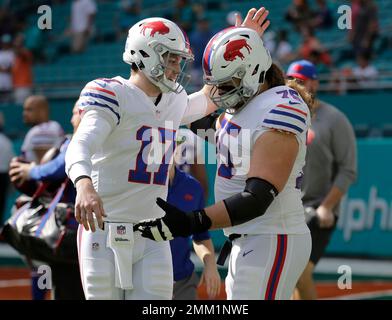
103,90
291,108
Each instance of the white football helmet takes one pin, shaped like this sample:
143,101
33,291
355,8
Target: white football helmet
235,53
149,45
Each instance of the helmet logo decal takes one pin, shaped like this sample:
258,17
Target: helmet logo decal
233,49
156,27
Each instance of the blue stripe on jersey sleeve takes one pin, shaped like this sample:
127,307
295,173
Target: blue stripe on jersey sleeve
95,103
100,96
283,124
288,114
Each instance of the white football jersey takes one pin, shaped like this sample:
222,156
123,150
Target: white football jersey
280,108
130,167
42,136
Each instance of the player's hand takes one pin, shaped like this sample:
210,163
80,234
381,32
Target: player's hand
175,223
87,204
255,20
325,216
212,280
19,172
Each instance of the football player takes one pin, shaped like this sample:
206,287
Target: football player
119,157
261,143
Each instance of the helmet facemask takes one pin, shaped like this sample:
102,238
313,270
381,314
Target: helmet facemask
231,94
167,58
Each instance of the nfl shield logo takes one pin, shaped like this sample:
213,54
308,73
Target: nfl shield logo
121,230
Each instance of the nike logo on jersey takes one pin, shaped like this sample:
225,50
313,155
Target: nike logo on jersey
246,252
102,84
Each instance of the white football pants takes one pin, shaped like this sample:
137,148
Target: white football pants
266,266
151,271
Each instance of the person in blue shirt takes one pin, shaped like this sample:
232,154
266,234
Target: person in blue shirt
186,193
50,171
65,276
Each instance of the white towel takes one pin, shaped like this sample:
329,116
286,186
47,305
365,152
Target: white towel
120,241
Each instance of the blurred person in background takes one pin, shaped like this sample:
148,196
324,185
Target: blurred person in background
34,40
331,167
186,193
300,15
283,51
364,73
7,59
183,14
7,20
65,276
22,75
269,39
44,134
129,14
199,39
360,77
365,26
6,155
310,45
82,23
324,17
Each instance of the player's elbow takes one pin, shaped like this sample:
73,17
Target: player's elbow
253,202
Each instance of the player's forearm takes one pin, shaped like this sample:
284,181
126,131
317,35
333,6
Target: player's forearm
78,159
219,216
196,108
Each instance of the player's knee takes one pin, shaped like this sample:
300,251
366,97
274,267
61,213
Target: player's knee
99,288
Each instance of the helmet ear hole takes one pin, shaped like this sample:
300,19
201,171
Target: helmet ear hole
255,70
261,78
144,54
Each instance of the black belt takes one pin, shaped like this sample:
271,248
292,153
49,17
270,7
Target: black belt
226,249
